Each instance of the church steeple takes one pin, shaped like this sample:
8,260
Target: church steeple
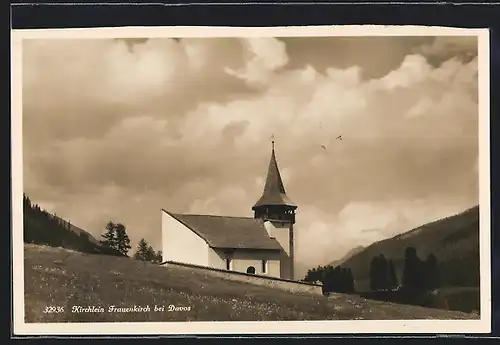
274,204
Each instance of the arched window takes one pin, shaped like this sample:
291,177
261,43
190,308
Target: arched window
251,270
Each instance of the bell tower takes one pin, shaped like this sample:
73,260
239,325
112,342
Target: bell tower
278,212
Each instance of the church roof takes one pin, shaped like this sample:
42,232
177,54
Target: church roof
274,190
229,232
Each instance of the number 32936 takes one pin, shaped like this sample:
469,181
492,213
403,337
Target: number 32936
53,309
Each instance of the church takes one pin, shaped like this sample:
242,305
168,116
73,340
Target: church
262,244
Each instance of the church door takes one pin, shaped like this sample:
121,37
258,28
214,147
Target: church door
251,270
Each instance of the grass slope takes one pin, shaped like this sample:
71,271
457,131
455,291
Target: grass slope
454,241
62,278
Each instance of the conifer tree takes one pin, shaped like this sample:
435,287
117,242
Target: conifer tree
109,237
374,285
431,272
151,253
122,239
26,202
159,256
350,287
393,278
144,251
342,280
383,273
414,270
327,278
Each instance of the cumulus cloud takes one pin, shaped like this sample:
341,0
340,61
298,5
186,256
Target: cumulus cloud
265,56
343,52
443,48
116,130
88,86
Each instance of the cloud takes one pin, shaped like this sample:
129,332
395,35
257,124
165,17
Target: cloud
420,108
443,48
343,52
228,201
414,69
116,130
264,56
85,87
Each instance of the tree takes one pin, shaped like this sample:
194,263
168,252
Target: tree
315,274
26,202
374,265
151,254
380,275
110,240
158,257
393,278
431,272
409,273
383,273
336,279
350,286
344,280
327,277
144,251
414,270
122,239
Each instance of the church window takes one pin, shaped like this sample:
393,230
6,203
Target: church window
264,266
228,264
251,270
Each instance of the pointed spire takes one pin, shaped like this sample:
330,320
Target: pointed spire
274,190
274,183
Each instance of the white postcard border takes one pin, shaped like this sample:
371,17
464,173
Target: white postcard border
483,325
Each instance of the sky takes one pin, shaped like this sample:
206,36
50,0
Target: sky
117,129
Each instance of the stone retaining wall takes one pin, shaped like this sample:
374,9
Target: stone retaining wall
279,283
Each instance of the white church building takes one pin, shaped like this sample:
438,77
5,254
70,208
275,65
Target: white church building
263,244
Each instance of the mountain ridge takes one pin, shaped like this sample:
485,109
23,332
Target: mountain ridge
347,256
453,239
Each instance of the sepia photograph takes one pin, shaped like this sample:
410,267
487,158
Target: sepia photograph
266,180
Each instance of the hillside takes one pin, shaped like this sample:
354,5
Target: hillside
41,227
347,256
453,240
63,278
79,231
